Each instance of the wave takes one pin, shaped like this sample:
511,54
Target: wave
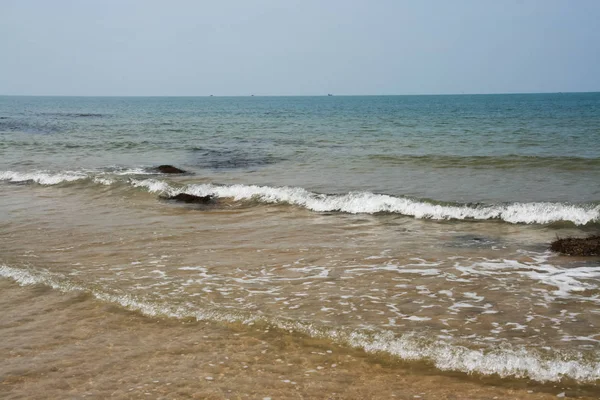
371,203
505,361
55,178
43,178
352,202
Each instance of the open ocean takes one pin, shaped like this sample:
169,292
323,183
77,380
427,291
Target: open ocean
356,247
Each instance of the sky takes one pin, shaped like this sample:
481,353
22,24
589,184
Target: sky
290,47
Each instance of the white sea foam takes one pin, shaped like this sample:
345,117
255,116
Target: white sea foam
42,177
353,202
505,361
154,186
370,203
563,282
103,181
416,318
508,361
133,171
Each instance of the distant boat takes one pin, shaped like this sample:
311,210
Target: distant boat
211,95
329,94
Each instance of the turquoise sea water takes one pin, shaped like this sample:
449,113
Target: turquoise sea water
468,148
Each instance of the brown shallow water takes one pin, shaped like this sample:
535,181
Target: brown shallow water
68,345
108,291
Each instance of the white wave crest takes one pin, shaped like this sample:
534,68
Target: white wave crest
507,361
511,361
353,202
133,171
103,181
42,177
369,203
154,186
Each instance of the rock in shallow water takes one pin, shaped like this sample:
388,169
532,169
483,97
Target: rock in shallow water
169,169
190,198
589,246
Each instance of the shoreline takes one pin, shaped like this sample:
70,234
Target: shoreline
170,266
87,348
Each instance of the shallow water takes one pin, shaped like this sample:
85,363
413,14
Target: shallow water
94,350
399,241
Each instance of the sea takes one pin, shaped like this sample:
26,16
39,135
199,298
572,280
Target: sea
353,247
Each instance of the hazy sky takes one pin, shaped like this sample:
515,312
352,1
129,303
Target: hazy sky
289,47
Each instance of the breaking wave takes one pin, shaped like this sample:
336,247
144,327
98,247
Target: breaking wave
43,178
55,178
505,361
352,202
371,203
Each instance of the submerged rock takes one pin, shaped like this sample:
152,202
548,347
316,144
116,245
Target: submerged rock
589,246
190,198
169,169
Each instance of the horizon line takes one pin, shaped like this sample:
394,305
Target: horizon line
301,95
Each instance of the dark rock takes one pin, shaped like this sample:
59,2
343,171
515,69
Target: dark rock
190,198
589,246
169,169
